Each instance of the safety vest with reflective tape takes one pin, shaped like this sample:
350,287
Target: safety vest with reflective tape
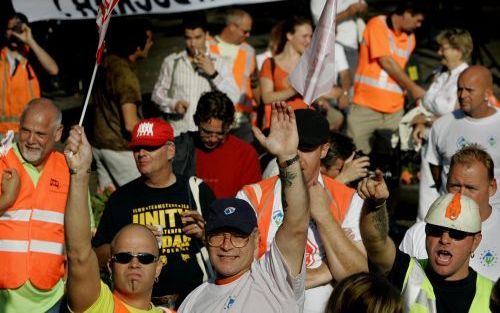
418,293
15,91
243,67
32,230
373,87
261,197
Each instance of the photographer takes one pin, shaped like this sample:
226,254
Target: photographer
18,82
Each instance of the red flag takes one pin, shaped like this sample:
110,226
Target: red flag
314,75
105,9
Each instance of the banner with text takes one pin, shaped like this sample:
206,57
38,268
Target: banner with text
37,10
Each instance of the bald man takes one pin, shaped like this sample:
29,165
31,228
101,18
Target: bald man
31,223
134,262
477,121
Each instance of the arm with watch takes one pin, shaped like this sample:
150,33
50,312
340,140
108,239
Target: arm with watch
219,73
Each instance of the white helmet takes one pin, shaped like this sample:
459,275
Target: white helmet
455,211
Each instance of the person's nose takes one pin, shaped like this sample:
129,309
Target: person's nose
226,244
445,238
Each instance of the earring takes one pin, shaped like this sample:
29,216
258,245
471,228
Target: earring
157,279
472,255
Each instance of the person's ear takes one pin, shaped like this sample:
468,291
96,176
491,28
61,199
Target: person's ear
324,149
492,188
58,133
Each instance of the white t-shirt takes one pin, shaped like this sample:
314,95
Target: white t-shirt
485,260
441,97
455,130
266,287
347,31
316,298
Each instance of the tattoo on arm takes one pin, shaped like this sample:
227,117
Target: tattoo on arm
286,178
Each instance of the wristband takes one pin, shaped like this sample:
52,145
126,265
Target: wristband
73,171
288,162
215,74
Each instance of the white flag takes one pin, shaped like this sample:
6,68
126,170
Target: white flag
314,76
105,10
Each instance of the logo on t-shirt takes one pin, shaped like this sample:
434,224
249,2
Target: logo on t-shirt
229,303
492,141
278,218
229,210
488,258
461,142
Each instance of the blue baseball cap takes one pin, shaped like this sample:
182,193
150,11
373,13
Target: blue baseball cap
231,213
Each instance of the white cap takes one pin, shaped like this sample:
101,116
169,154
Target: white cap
455,211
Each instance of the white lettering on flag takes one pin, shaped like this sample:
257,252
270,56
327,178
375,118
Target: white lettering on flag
145,129
102,21
314,75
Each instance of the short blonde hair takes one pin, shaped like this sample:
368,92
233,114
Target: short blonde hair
459,39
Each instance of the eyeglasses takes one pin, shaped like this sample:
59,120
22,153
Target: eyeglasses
208,133
237,240
438,231
126,257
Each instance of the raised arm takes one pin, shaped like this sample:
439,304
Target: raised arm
344,258
83,284
283,141
374,224
43,57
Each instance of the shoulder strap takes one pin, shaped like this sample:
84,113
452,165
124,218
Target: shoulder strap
202,255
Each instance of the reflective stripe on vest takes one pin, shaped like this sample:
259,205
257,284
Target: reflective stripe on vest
261,197
37,215
381,83
33,245
418,293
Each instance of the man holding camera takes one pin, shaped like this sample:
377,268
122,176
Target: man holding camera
18,81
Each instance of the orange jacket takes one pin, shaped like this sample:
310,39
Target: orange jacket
261,196
32,230
15,91
373,87
243,67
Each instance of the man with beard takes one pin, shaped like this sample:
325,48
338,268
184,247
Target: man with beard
444,282
223,161
18,81
31,227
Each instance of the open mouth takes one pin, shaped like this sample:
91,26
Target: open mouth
443,257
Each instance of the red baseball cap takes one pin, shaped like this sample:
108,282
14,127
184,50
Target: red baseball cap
152,132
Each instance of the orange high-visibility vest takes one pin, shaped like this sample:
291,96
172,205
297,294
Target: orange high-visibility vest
261,196
373,87
243,67
32,230
15,91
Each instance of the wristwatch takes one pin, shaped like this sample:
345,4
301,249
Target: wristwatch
215,74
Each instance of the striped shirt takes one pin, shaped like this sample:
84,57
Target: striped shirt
189,85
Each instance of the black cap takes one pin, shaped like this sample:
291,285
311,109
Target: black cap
312,127
231,213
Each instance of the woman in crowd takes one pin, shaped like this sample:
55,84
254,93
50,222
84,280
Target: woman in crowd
455,48
295,38
364,292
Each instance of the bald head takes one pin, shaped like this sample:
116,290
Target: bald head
480,73
475,86
45,107
135,237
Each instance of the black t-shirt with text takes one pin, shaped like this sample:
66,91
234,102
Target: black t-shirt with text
451,296
138,203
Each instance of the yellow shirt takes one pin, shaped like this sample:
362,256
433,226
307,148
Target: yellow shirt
106,303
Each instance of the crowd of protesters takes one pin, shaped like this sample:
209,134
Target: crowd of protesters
237,196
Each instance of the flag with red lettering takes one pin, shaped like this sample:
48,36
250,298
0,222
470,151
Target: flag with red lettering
105,10
314,75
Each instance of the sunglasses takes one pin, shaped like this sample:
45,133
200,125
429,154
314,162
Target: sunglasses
125,257
438,231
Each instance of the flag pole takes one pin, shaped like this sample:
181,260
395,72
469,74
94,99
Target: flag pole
85,105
